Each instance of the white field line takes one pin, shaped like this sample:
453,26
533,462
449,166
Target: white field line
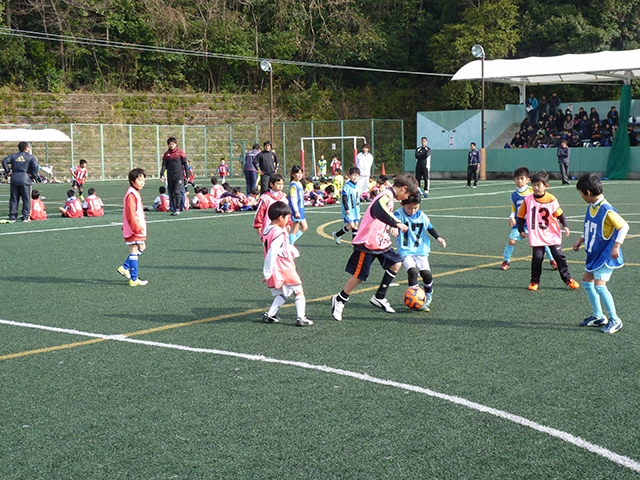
564,436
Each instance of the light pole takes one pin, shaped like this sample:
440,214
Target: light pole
265,65
478,52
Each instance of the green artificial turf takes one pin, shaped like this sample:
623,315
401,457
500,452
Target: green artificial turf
256,401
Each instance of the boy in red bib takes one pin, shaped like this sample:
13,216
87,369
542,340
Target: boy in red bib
72,207
79,174
268,198
134,227
38,211
93,206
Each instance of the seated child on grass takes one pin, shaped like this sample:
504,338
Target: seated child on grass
38,211
72,207
93,206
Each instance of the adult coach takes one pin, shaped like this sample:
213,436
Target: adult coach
24,168
564,153
423,162
364,161
250,170
267,164
174,161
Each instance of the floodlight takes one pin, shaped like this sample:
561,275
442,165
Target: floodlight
265,65
477,51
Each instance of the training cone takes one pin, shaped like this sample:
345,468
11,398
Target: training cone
382,170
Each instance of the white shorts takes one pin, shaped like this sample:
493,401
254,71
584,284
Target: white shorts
286,290
421,262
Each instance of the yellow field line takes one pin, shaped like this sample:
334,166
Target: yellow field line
51,349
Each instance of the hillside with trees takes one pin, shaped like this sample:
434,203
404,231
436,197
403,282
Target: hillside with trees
407,35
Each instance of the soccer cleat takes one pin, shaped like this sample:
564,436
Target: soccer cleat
593,321
336,238
176,213
613,326
124,272
382,304
303,322
428,301
425,195
266,318
336,308
25,220
475,186
505,265
554,264
533,286
138,283
572,284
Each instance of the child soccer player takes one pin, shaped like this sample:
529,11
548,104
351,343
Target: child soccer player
350,206
199,200
134,227
216,190
279,267
79,173
521,179
296,203
542,212
322,167
414,245
38,211
161,203
604,233
372,242
274,194
223,170
336,165
93,206
72,207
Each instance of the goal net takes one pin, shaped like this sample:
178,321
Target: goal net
311,142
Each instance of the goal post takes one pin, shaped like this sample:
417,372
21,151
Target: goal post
313,140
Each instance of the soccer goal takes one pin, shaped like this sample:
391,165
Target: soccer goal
313,140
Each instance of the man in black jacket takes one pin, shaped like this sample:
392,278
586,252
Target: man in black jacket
24,168
174,161
267,164
423,162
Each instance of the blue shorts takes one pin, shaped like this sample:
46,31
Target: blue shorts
359,263
515,234
602,273
298,220
352,217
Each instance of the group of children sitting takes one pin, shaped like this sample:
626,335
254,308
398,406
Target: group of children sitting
91,206
221,198
327,190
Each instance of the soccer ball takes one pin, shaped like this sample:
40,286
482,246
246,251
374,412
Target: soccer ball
414,298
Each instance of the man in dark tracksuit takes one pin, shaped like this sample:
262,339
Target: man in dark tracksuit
174,161
423,155
267,164
24,168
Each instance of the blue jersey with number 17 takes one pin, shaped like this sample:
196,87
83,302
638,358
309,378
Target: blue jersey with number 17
414,241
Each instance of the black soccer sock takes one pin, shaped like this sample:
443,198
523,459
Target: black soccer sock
341,232
384,285
354,232
343,297
427,279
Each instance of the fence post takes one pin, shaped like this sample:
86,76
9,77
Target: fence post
102,149
284,152
373,167
130,148
71,136
230,150
206,167
158,148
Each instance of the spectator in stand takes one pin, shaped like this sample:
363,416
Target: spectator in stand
542,106
594,114
568,123
524,125
516,141
613,117
554,102
633,139
585,128
607,135
532,108
596,134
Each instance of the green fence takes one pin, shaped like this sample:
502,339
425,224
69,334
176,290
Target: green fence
112,150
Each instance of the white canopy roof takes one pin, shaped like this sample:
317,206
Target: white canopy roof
26,135
573,68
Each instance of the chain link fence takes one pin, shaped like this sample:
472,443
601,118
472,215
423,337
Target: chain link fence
112,150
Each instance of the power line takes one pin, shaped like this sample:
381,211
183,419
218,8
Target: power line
179,51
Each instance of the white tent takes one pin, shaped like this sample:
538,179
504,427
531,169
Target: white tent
600,67
26,135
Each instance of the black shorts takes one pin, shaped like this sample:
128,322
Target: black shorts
360,262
